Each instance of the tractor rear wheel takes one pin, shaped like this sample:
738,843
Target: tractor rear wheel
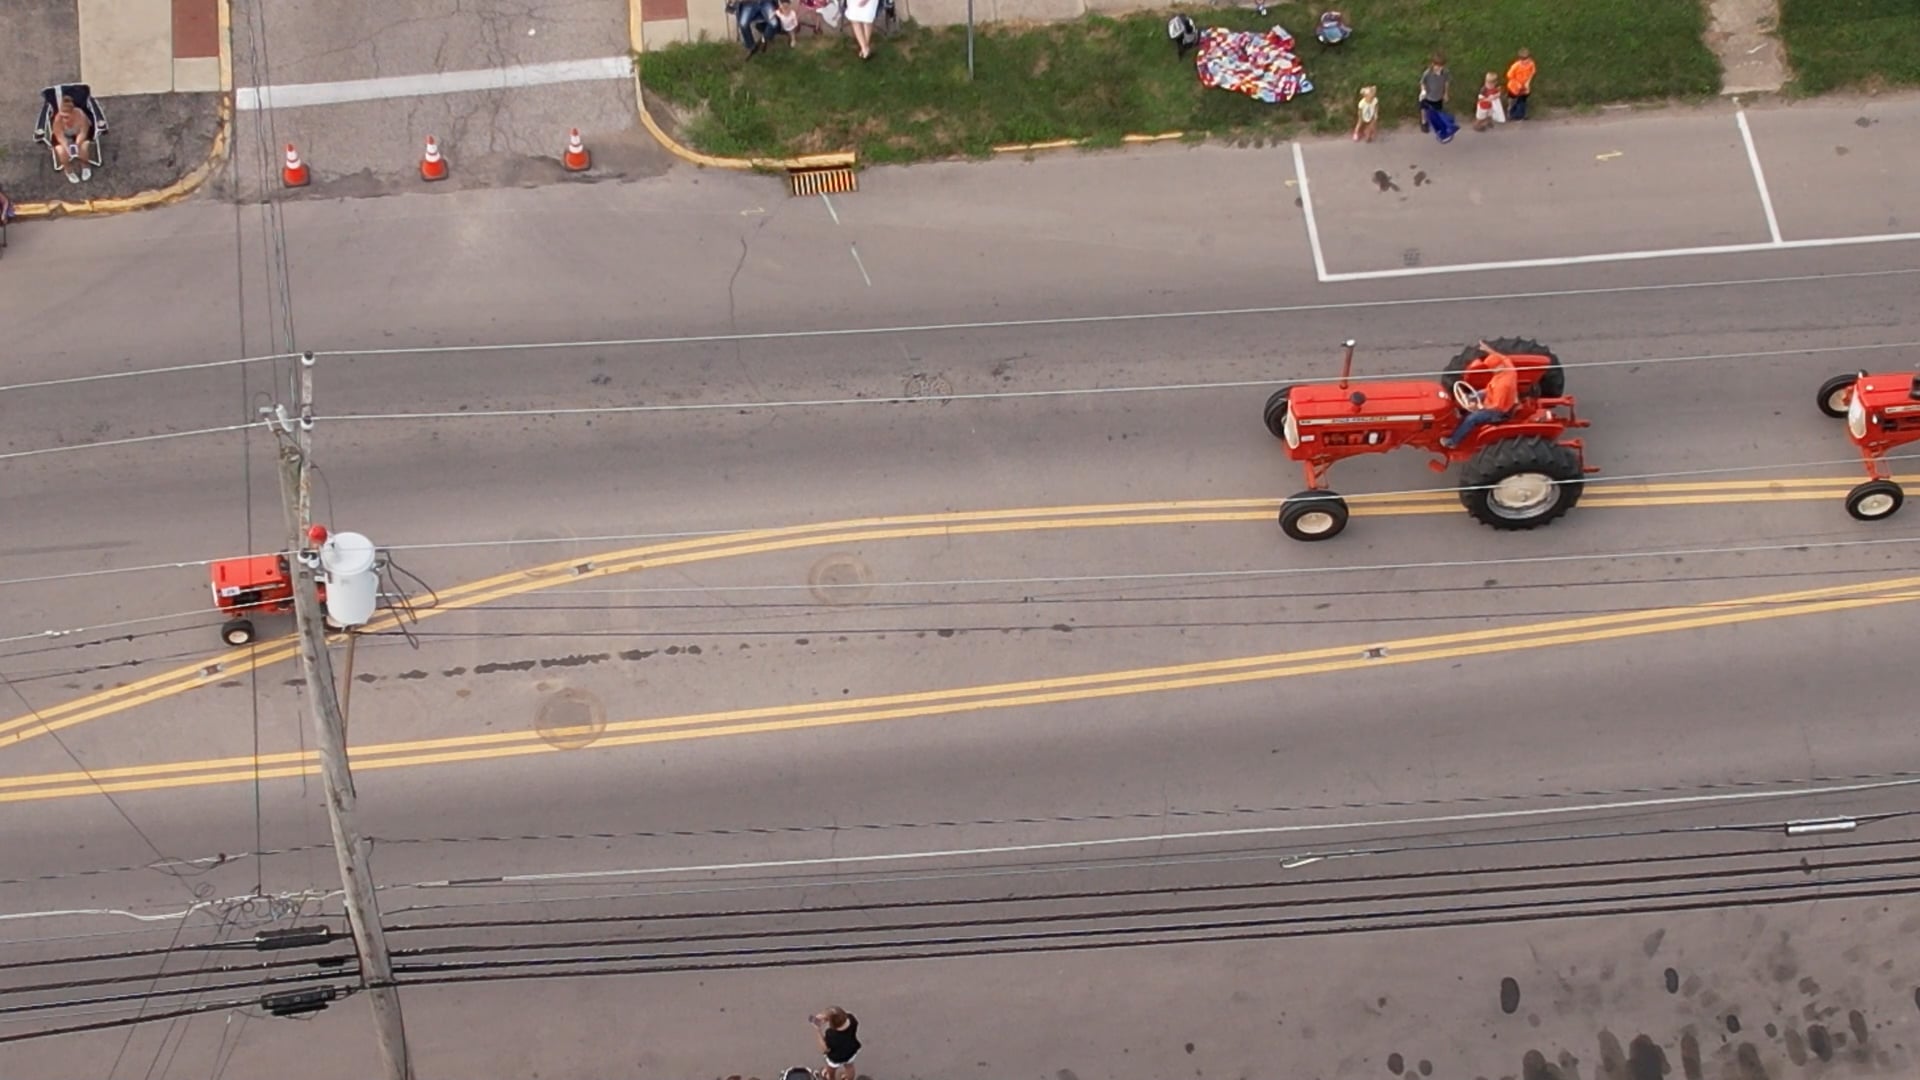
1313,515
237,632
1553,381
1521,483
1275,414
1836,393
1874,500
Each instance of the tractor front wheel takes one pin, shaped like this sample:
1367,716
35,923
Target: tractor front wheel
237,632
1313,515
1521,483
1836,393
1275,413
1874,500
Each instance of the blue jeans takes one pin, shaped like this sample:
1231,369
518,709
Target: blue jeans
757,23
1474,419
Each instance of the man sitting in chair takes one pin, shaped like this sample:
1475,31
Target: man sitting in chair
71,133
1497,402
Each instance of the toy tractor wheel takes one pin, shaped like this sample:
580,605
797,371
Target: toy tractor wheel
1275,413
1521,483
1874,500
1553,381
1836,393
1313,515
237,632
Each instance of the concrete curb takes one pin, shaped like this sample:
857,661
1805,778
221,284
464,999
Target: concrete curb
180,188
637,40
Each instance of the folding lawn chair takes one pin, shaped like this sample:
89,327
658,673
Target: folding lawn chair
83,99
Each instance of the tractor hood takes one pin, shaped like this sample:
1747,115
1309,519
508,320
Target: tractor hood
1327,405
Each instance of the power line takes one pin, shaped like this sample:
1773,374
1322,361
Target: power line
743,532
170,369
56,642
1846,782
908,399
1569,874
999,324
1138,317
1015,395
132,440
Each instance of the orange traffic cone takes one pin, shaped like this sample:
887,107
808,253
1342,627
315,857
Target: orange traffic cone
576,158
294,173
433,166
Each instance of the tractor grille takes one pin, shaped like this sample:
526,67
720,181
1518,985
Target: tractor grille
830,180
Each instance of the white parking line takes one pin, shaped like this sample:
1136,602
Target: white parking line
1621,256
296,95
1306,204
1759,177
1773,225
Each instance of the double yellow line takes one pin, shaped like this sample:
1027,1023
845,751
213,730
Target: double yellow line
1029,693
222,666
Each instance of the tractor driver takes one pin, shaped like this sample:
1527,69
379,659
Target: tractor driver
1496,404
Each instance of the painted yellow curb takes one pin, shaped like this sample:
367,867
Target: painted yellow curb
1063,144
636,38
180,188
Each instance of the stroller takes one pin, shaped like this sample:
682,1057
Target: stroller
83,99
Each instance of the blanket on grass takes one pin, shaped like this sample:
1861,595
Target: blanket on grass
1259,65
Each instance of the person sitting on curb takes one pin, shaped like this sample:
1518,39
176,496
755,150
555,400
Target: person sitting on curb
71,132
760,21
1497,402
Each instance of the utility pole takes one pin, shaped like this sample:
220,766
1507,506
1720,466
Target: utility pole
329,725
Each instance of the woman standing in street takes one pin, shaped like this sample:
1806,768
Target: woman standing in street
839,1040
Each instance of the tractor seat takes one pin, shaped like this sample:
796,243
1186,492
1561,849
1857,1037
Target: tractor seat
1913,392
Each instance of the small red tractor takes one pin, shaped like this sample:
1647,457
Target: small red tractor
1516,473
1882,412
255,585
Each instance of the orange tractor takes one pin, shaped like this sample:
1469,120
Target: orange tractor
1518,470
256,585
1882,412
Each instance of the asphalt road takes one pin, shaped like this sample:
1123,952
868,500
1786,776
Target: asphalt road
1571,773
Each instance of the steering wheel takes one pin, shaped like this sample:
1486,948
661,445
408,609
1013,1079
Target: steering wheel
1466,396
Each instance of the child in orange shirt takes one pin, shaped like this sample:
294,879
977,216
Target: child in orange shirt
1520,83
1487,109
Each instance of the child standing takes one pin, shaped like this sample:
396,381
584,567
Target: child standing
1487,109
1369,110
1436,86
1520,83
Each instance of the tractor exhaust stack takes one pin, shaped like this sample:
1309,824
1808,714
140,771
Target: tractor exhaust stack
1346,365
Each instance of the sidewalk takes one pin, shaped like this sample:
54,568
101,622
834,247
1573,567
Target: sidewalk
157,67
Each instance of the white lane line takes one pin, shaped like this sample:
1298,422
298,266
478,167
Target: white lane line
1665,802
1623,256
1306,204
1759,176
830,209
296,95
861,265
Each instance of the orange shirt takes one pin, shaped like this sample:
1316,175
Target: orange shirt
1520,77
1503,389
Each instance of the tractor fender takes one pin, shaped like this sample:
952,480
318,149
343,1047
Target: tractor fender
1539,368
1493,433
